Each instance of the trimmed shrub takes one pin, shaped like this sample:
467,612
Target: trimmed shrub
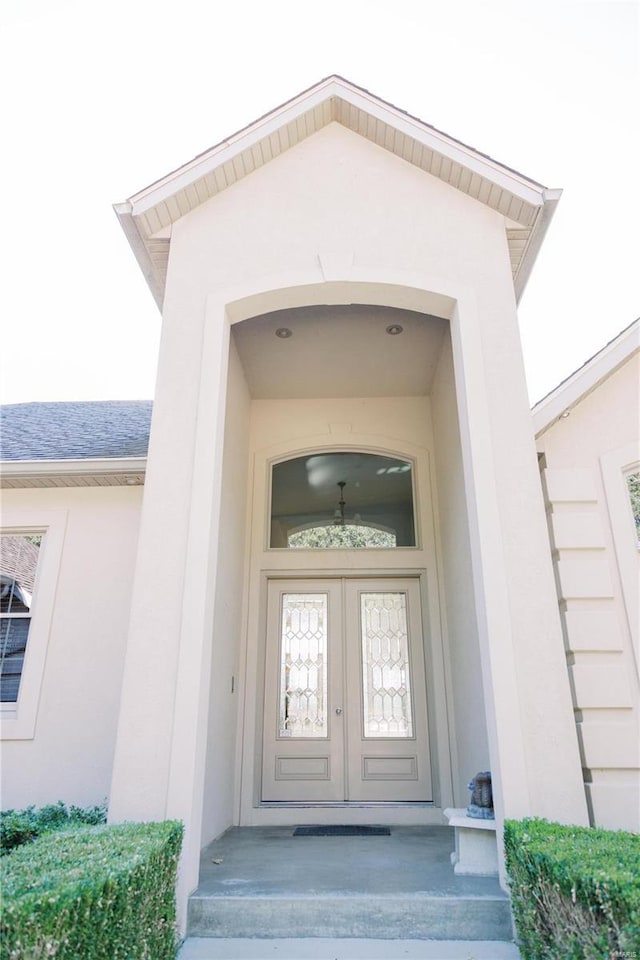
575,891
21,826
17,827
92,893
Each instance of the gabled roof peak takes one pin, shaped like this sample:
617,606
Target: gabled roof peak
147,216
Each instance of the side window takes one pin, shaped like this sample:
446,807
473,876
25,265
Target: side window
19,556
31,546
633,488
621,477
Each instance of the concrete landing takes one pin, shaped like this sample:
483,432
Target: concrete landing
325,949
262,882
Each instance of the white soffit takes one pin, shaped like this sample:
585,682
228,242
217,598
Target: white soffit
526,205
111,472
584,380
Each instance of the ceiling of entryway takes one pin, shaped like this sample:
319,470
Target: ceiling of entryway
340,351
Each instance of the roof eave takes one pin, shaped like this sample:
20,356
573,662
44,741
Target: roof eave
134,214
550,200
334,86
117,467
586,379
124,214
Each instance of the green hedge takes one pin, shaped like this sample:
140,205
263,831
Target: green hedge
22,826
92,893
575,891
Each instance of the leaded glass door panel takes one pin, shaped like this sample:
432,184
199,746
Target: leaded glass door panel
303,744
387,734
345,704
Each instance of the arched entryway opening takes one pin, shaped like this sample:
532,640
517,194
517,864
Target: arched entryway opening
322,380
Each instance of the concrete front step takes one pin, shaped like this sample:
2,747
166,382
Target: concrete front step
352,949
258,882
389,917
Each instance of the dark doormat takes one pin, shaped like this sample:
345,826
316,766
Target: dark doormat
342,831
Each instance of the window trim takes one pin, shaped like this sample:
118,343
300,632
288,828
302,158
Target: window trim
18,720
633,471
615,466
349,448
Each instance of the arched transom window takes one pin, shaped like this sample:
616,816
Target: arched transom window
343,500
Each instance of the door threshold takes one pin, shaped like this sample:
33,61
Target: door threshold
345,804
407,813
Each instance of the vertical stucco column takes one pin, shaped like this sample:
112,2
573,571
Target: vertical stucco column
532,736
161,743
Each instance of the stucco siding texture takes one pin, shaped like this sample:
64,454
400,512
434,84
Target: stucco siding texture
596,557
75,430
69,756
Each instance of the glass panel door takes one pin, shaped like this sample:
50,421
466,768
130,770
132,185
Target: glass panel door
345,717
387,735
303,738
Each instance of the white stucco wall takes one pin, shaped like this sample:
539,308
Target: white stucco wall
470,741
598,570
71,753
532,738
223,725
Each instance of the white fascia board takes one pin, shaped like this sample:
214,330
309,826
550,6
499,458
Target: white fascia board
520,186
537,234
137,244
228,148
583,381
517,184
16,469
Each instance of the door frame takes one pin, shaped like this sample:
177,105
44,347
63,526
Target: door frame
261,812
342,751
422,562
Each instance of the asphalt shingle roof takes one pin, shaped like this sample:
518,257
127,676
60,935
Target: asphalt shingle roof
75,430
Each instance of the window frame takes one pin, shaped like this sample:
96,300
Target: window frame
633,471
346,449
18,718
615,466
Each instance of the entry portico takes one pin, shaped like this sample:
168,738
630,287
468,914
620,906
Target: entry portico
337,218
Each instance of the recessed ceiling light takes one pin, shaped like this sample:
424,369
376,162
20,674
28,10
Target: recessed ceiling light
394,329
284,333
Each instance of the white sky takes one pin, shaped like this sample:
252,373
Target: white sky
102,97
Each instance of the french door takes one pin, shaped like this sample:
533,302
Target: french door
345,715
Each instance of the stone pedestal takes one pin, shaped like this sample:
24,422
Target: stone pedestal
476,852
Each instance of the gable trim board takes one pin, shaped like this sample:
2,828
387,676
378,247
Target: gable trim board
527,206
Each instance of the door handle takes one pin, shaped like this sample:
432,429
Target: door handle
338,710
